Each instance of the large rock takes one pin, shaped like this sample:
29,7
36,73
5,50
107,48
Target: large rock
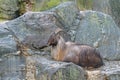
67,15
7,44
9,9
33,29
12,67
111,71
115,11
99,30
53,70
37,67
110,7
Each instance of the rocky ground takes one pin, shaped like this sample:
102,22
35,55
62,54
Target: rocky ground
33,30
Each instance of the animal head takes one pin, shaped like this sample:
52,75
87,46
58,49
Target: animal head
55,36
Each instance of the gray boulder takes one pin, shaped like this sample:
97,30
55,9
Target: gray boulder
37,67
33,29
88,27
111,71
9,9
12,67
29,28
99,30
67,15
110,7
53,70
7,44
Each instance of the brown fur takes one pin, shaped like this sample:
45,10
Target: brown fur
82,55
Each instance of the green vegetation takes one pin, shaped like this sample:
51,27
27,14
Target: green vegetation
84,4
47,4
19,7
2,20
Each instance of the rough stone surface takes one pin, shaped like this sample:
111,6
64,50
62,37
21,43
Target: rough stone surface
111,71
99,30
52,70
67,15
9,9
12,67
37,67
110,7
115,11
7,43
33,29
30,68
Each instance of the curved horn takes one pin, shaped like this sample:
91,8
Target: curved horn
54,36
58,30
